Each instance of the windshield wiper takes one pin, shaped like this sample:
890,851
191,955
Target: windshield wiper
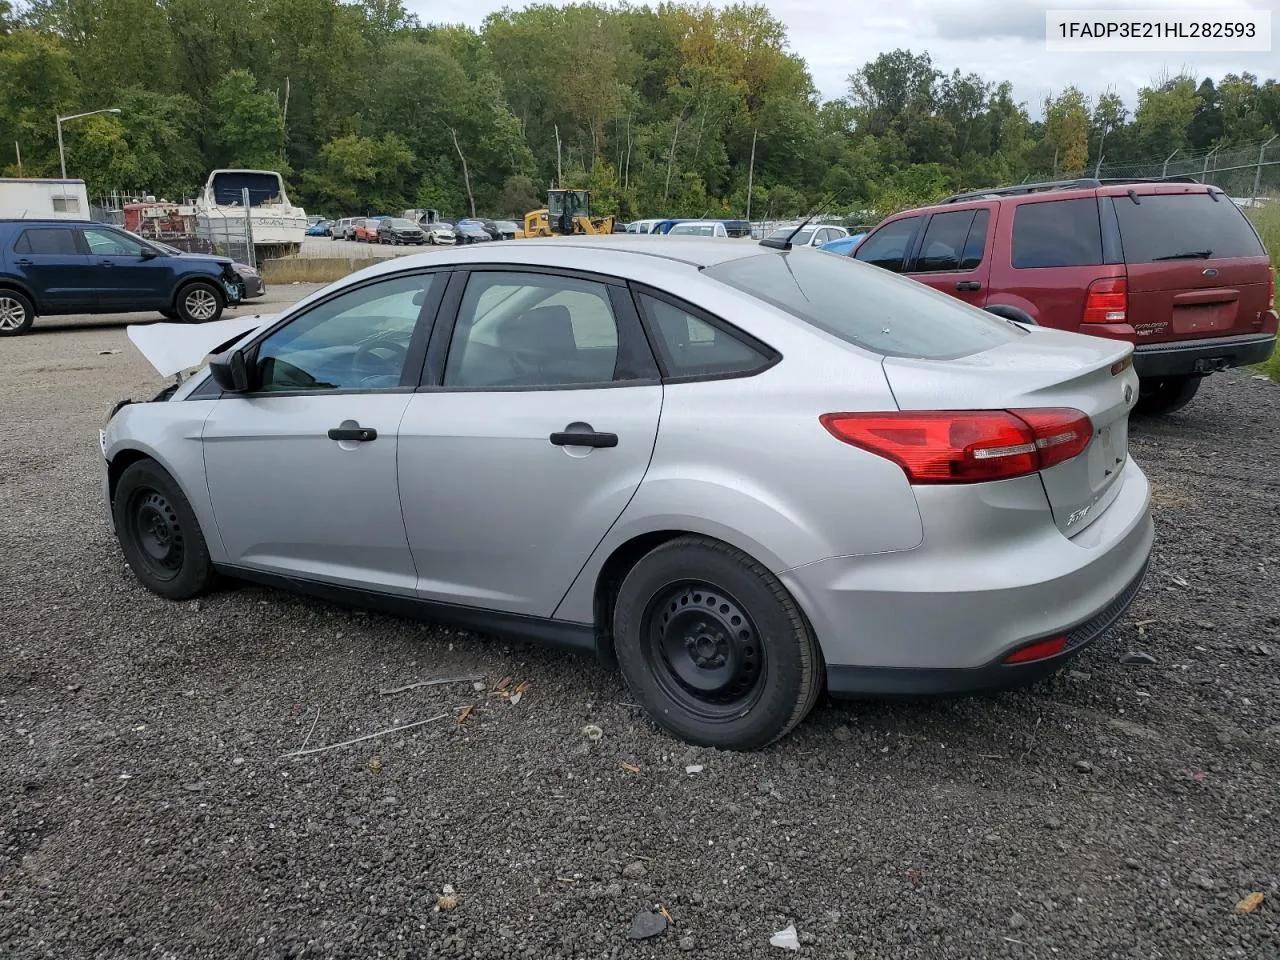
1186,255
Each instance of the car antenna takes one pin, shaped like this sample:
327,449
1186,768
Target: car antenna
785,242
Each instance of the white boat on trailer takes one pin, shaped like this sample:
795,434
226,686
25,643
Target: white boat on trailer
278,226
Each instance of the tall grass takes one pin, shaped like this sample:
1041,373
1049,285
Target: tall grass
313,269
1267,221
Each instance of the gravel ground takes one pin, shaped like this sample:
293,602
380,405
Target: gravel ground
146,809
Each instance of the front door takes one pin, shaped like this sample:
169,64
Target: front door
130,278
952,255
538,434
302,470
51,262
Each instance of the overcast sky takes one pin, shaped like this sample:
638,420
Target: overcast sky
1000,39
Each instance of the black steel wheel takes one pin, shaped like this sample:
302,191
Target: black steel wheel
159,533
703,649
713,646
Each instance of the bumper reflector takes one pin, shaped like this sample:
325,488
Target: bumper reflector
1038,650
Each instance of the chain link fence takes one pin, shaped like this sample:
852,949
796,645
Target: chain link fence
1247,172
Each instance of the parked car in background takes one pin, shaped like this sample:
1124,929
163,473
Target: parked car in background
320,228
365,230
811,235
509,229
440,232
842,245
698,228
1171,266
254,285
643,226
52,267
469,231
343,228
398,230
968,517
737,228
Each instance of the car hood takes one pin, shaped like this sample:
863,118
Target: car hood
212,258
173,347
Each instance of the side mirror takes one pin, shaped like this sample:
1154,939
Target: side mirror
149,254
230,371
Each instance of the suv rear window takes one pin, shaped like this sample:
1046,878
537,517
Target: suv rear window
1057,233
1184,226
870,308
51,240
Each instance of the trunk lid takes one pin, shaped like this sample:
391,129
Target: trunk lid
1049,368
1196,267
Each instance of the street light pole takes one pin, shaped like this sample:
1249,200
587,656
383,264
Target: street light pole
62,157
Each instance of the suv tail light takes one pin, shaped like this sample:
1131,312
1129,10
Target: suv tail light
966,446
1271,290
1107,301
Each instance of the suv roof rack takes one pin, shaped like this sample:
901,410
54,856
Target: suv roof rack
1082,183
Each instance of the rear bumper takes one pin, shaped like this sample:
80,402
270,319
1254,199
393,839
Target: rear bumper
1201,356
939,619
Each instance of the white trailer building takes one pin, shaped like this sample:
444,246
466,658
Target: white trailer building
31,199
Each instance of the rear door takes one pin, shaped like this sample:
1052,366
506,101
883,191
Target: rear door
1196,267
952,255
50,260
534,434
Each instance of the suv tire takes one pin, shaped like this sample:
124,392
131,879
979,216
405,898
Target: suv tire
16,313
1160,395
199,302
714,647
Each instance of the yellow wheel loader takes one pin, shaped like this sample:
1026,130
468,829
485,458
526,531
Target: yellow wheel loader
568,212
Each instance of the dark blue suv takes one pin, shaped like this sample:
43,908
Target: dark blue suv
50,267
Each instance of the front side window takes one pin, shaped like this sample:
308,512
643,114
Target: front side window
532,330
943,243
356,341
692,347
108,243
887,247
55,241
888,315
1057,233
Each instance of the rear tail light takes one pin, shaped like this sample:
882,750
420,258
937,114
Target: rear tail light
1107,301
1038,650
966,446
1271,290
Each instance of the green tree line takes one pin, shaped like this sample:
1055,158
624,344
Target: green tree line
675,110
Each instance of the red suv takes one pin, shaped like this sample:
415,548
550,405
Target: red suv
1172,266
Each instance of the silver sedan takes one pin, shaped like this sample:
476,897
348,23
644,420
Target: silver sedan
745,473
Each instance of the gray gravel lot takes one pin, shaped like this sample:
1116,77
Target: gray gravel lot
145,808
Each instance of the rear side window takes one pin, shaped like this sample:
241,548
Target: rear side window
888,245
976,242
1057,233
943,244
52,240
871,309
1184,226
692,347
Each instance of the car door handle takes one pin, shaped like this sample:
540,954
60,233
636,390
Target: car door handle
106,263
584,438
353,431
968,285
24,262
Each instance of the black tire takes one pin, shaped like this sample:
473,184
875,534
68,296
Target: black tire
1161,395
199,302
159,534
16,313
169,314
713,646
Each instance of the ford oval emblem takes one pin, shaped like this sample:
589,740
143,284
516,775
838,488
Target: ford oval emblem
1210,271
1128,393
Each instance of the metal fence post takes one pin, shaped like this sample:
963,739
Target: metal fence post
1257,174
1165,172
248,228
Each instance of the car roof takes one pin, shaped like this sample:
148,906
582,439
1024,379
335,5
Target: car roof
615,254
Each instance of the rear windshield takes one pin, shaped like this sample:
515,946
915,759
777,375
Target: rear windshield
1184,226
866,306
